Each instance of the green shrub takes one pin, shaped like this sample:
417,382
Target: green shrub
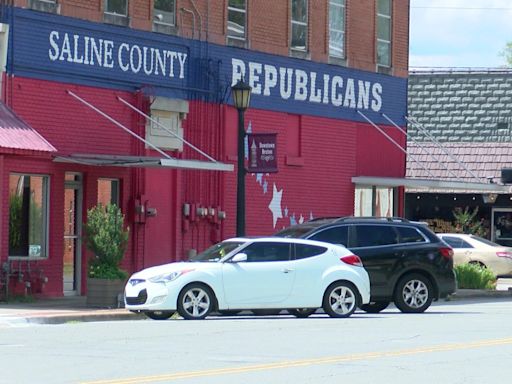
107,238
474,276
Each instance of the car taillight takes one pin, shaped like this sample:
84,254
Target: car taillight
504,254
352,260
446,252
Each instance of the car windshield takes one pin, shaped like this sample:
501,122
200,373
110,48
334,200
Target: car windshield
217,251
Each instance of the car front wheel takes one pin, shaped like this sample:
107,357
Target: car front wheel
195,302
159,315
375,306
413,293
340,299
302,312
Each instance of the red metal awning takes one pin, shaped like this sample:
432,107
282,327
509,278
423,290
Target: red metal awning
16,134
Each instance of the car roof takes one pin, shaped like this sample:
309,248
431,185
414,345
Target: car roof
455,234
295,240
328,221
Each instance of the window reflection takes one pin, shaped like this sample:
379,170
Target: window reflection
28,210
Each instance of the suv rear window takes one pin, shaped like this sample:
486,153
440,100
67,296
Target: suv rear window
374,235
410,235
334,235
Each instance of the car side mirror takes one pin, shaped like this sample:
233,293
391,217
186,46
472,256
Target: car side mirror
239,257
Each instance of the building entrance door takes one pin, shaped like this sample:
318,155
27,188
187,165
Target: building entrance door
72,265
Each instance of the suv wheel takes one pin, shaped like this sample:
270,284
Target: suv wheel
375,306
413,293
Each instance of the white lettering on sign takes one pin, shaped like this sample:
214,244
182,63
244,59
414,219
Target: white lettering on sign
297,84
86,50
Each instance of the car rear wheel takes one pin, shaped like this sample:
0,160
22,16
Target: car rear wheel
266,312
229,312
340,299
302,312
195,302
159,315
413,293
478,263
375,306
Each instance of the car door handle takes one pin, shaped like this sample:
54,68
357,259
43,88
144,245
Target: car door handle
286,270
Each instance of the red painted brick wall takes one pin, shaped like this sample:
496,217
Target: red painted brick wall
331,153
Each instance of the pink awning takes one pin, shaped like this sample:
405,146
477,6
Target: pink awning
16,134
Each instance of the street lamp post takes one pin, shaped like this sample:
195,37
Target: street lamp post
241,96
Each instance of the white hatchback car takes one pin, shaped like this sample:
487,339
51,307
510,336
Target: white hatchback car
477,250
250,274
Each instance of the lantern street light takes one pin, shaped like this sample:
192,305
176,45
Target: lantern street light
241,96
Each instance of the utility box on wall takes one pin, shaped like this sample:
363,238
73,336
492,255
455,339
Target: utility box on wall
169,113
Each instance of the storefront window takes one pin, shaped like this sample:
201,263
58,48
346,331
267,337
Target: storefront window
28,215
108,191
502,226
374,201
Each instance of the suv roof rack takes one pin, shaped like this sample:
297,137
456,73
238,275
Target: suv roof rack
346,218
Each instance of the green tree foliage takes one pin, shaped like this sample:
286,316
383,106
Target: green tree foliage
507,53
467,221
15,207
107,238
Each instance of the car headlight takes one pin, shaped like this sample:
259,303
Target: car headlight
168,277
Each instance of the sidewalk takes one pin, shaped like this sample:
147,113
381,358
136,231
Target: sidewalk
74,309
58,311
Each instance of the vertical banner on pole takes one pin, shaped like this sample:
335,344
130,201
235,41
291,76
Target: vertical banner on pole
262,153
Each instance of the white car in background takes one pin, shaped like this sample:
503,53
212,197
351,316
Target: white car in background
253,274
477,250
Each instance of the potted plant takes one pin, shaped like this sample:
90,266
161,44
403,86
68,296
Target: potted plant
106,237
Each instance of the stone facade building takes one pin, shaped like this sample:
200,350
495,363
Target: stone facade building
468,113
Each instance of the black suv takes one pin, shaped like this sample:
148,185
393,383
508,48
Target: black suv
407,263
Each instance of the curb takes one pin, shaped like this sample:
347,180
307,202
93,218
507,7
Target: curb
461,294
82,318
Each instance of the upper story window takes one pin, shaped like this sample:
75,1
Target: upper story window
337,28
165,12
50,6
164,16
384,33
116,12
299,25
237,22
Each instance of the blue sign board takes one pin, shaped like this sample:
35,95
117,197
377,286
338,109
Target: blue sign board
71,50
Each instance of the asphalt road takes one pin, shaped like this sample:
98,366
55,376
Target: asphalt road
453,342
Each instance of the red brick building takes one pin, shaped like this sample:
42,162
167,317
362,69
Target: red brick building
81,77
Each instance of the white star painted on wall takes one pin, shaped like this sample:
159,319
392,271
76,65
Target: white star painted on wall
275,205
